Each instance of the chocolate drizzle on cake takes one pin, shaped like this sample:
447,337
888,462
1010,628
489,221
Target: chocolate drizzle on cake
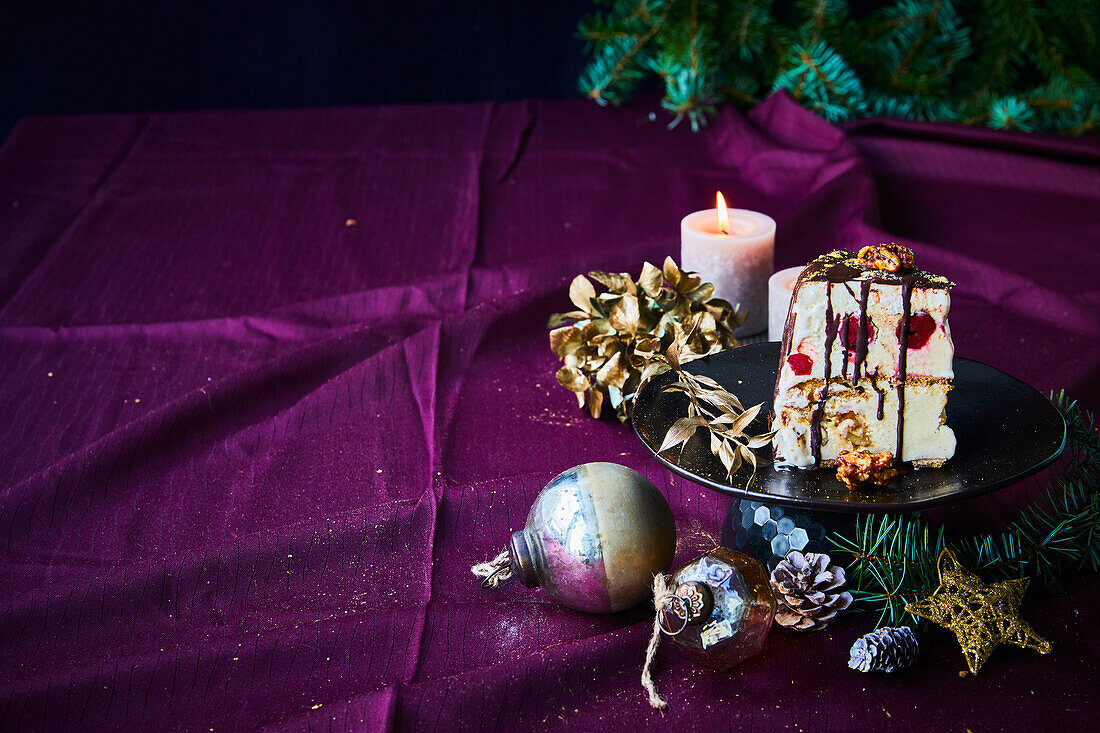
863,335
880,392
831,327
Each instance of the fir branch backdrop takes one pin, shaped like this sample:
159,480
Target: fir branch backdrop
1008,64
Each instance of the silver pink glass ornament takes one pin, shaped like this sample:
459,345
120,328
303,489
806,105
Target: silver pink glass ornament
595,537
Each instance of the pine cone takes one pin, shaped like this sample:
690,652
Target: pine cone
807,591
884,650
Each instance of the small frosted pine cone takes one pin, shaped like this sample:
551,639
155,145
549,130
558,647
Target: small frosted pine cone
808,591
884,650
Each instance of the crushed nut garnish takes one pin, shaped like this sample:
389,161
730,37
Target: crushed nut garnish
856,467
887,256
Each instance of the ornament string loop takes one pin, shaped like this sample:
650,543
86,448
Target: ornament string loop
493,572
662,594
670,602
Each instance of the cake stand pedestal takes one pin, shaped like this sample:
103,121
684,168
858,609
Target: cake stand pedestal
768,531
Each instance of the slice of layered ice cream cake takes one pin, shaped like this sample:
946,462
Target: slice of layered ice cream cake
865,362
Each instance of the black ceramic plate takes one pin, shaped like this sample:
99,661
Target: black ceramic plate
1005,431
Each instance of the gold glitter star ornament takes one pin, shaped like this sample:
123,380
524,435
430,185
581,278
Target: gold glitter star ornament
981,616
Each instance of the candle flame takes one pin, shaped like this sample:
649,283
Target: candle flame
723,213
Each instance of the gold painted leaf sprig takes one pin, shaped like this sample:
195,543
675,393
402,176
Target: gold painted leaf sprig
607,341
710,408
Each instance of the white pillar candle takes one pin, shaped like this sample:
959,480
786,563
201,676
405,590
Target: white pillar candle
738,262
780,289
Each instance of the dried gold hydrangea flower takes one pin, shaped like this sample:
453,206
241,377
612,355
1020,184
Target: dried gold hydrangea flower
606,343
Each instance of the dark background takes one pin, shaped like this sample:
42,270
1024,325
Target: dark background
62,57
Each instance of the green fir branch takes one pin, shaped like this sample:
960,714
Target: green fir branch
617,68
748,20
822,18
1010,113
924,43
1010,64
819,78
911,107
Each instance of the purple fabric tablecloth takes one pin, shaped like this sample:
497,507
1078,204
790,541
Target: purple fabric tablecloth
249,449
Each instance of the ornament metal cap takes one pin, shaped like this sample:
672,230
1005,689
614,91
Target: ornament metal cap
522,560
689,605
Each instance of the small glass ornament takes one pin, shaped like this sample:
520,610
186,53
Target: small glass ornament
720,609
717,608
595,537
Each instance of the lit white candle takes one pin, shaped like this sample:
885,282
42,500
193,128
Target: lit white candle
735,250
780,289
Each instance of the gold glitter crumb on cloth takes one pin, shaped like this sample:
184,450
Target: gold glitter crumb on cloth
981,616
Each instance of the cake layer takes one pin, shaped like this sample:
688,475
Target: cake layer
828,314
864,414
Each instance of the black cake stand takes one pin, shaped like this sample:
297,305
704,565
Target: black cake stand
1005,429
